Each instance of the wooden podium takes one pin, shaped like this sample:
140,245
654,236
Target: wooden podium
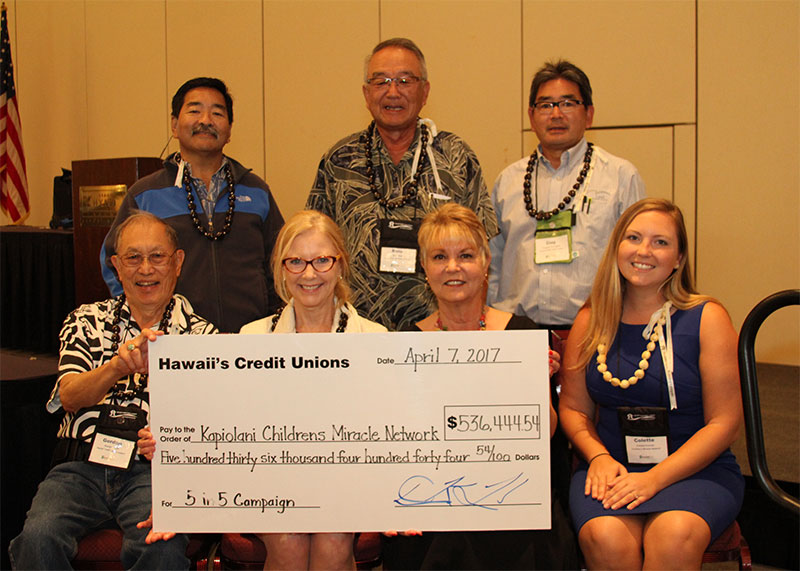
98,187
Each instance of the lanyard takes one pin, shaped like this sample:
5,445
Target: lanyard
658,321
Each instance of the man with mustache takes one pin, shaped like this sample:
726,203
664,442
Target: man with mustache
378,184
556,208
225,215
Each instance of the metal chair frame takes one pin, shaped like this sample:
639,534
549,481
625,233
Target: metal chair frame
754,430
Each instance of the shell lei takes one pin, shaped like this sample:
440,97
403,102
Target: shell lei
654,334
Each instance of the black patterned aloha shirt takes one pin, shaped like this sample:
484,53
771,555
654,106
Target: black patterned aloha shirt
342,191
86,345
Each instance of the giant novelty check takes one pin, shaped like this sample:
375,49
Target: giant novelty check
361,432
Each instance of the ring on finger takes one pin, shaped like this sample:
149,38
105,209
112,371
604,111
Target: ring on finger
131,347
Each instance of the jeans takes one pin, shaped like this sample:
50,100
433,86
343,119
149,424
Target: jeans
77,498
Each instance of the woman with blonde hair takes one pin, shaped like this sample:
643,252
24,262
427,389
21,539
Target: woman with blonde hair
311,268
650,400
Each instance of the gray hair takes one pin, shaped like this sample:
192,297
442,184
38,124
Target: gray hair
404,43
144,216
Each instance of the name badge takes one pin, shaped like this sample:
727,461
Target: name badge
553,240
114,442
645,431
112,451
398,260
398,246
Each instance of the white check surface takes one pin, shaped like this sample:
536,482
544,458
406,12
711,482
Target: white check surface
362,432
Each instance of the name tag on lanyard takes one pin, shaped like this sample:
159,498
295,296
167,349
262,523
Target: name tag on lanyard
398,246
553,239
645,431
114,442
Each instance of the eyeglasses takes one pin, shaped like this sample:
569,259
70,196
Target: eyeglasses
156,259
321,264
404,81
565,105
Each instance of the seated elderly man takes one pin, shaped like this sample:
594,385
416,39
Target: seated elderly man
97,479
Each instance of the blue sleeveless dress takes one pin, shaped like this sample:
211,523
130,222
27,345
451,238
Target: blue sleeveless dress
714,493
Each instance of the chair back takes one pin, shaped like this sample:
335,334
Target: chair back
754,430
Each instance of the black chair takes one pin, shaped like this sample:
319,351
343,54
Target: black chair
752,406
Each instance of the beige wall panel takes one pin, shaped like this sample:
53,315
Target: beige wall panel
685,182
223,40
472,49
639,56
47,44
313,71
125,74
748,198
650,149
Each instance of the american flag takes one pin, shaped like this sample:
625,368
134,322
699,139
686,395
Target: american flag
13,175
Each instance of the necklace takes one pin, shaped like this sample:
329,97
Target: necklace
115,337
534,212
343,317
654,336
187,184
481,322
405,197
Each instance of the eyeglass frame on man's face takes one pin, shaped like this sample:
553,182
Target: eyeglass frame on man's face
566,106
401,82
307,262
130,260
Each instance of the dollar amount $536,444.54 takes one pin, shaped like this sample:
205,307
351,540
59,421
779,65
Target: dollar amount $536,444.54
487,421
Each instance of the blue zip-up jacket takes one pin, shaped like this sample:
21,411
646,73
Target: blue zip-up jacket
227,281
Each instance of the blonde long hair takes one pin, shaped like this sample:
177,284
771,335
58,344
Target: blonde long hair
296,225
608,289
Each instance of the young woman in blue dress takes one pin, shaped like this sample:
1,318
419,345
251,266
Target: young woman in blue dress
651,402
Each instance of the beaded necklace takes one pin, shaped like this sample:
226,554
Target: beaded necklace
405,197
481,322
343,317
115,339
208,233
533,162
602,366
655,334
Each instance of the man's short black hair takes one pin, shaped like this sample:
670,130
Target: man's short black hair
561,69
211,82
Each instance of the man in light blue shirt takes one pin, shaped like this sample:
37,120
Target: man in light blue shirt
556,208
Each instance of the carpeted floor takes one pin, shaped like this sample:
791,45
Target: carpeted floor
779,394
772,531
